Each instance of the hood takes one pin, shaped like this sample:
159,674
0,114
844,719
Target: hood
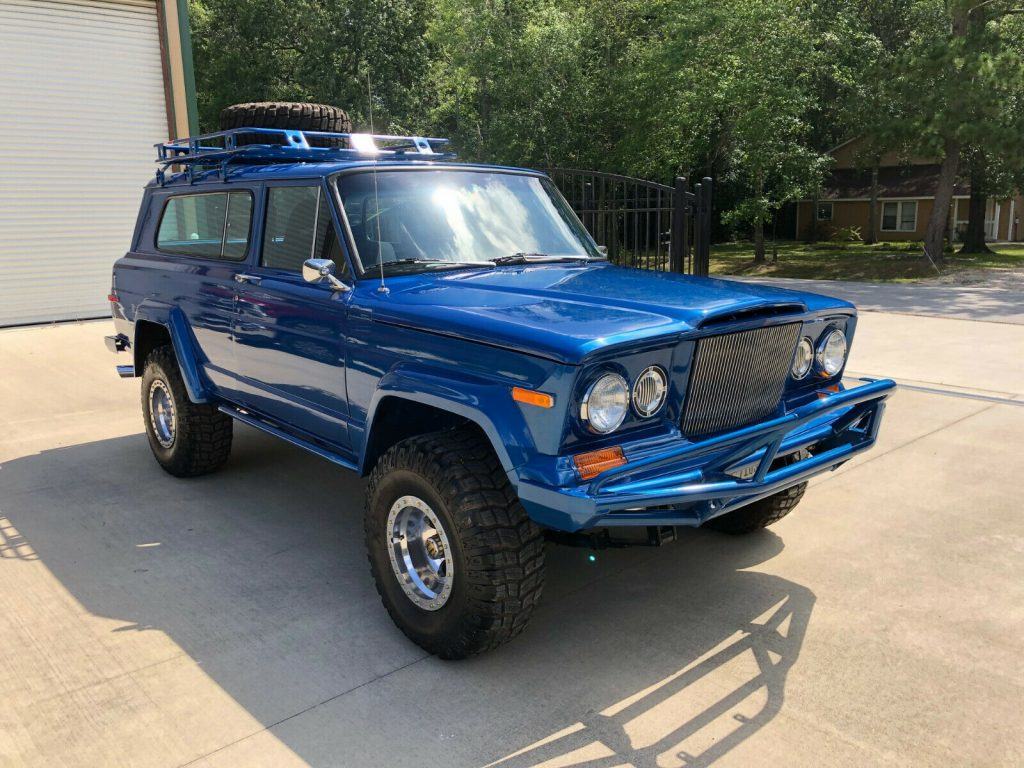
566,312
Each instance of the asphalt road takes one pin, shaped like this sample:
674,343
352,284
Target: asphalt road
231,621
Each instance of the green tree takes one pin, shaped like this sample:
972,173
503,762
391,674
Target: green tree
312,50
728,92
751,92
949,88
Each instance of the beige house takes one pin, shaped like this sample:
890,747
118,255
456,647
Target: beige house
905,198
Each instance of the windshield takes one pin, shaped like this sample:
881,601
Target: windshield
419,220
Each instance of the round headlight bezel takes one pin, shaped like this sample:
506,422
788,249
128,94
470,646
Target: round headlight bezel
590,415
830,363
805,343
658,382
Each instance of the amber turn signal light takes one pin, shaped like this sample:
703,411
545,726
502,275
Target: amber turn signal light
595,462
823,393
531,397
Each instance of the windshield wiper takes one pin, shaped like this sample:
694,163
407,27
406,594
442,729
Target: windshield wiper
427,263
535,258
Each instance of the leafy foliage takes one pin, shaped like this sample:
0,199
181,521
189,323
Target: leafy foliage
751,92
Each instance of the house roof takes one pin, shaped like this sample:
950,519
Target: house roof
893,181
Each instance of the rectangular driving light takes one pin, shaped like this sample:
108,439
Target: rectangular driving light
592,464
532,397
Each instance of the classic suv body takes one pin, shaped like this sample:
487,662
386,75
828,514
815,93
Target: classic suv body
338,371
452,332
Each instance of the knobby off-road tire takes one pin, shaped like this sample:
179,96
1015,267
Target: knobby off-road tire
187,439
281,114
497,552
760,514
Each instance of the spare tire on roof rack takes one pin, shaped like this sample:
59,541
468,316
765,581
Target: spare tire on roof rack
298,116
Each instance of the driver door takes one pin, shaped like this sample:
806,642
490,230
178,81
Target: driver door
290,334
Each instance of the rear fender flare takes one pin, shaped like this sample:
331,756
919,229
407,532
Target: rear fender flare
186,350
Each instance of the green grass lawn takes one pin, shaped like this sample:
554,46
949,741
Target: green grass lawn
854,261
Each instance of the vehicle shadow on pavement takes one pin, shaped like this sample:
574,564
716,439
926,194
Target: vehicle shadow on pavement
670,657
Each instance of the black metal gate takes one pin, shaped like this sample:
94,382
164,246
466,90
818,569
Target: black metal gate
642,223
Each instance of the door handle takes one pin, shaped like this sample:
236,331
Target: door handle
250,279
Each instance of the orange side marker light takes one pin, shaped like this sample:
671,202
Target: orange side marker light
822,394
532,397
595,462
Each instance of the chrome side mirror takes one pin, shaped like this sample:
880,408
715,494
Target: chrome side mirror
321,271
603,250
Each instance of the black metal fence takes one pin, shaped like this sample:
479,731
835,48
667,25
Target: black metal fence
642,223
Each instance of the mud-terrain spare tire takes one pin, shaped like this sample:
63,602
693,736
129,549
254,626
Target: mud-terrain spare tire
762,513
188,439
496,550
297,116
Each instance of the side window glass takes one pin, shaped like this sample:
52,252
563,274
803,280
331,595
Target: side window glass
299,227
210,226
327,244
193,225
237,225
288,237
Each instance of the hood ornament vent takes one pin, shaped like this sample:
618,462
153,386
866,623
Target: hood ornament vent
757,312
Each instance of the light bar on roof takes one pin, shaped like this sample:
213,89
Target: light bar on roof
363,142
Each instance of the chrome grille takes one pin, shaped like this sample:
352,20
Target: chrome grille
737,378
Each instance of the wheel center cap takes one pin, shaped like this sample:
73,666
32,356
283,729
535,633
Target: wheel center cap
434,548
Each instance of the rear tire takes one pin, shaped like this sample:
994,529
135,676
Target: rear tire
763,513
492,575
297,116
187,439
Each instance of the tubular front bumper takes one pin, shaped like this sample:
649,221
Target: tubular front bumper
690,482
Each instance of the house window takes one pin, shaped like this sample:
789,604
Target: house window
824,211
900,216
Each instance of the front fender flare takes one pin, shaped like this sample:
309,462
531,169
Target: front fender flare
485,402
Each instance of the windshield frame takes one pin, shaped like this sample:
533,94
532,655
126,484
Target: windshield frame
372,272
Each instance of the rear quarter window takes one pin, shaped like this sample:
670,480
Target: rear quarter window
214,225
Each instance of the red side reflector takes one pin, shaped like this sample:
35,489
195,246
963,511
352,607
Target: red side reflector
112,298
531,397
595,462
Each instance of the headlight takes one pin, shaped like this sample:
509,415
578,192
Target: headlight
606,403
802,358
832,352
649,391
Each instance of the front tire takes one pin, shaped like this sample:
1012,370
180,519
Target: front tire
187,439
456,560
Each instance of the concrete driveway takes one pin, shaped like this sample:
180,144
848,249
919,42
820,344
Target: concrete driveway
231,621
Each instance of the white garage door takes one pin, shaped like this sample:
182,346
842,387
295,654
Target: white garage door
81,105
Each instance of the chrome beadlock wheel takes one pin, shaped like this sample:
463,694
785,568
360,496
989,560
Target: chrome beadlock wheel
161,413
420,553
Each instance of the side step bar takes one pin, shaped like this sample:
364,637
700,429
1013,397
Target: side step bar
247,418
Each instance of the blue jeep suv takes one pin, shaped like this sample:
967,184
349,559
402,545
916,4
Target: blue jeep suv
453,333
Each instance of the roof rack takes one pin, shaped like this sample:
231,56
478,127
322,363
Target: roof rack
285,145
